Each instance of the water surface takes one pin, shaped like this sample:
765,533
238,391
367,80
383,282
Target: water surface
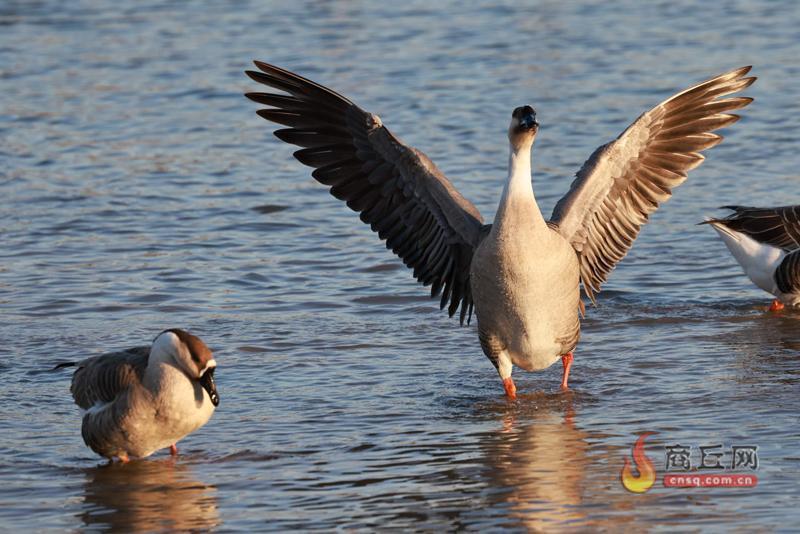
140,192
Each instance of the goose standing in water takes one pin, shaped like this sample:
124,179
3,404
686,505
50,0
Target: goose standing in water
766,243
143,399
523,272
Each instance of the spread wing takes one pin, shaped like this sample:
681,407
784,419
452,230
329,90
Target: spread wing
395,188
779,227
103,378
624,181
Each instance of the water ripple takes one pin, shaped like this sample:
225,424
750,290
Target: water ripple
142,193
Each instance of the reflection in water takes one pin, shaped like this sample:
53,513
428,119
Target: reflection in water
544,462
155,495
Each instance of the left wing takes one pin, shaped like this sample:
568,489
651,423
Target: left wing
394,187
624,181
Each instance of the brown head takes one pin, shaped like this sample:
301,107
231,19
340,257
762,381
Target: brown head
523,127
190,354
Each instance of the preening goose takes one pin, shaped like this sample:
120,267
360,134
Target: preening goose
143,399
766,243
522,273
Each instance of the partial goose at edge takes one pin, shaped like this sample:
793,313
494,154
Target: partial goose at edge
766,244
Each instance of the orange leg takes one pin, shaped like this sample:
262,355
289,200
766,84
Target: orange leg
566,360
124,458
173,450
511,389
776,306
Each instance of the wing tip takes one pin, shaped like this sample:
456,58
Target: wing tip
735,74
739,101
263,66
748,82
252,96
256,76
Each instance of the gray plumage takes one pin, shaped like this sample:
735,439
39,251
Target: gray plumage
103,378
523,272
111,380
143,399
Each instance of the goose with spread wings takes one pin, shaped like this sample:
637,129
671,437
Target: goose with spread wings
522,274
766,243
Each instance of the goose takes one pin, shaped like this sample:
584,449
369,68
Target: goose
143,399
766,243
521,274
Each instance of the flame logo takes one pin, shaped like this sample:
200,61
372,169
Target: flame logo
647,474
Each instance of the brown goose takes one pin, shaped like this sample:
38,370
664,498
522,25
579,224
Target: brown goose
143,399
766,243
522,273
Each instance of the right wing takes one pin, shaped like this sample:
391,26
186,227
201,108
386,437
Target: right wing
101,379
779,227
624,181
395,188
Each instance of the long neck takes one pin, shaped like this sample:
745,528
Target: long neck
518,194
161,364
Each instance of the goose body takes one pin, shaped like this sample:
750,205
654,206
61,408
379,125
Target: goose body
523,274
766,244
143,399
521,264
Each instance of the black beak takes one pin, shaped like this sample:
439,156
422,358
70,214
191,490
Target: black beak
528,121
207,381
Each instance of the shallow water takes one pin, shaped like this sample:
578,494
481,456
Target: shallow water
140,192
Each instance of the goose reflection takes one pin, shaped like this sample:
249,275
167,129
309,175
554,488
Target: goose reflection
550,474
539,457
147,496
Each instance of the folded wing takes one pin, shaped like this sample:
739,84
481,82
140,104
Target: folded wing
395,188
102,379
787,274
624,181
779,227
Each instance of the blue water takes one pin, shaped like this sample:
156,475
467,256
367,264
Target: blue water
140,192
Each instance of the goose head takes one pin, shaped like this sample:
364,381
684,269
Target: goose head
191,355
523,127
